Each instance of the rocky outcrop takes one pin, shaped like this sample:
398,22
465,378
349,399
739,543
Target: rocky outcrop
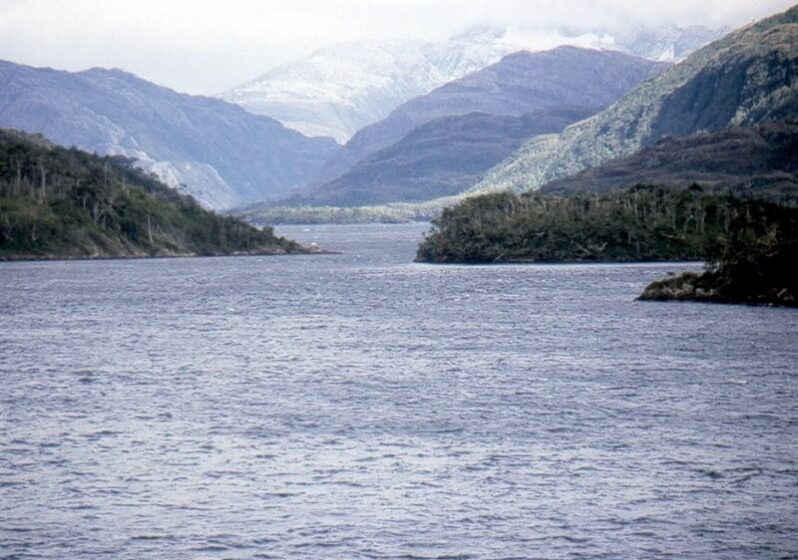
689,286
763,281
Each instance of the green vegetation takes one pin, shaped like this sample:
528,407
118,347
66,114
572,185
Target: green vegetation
640,224
756,264
66,203
750,245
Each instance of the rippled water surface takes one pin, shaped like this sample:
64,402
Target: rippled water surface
362,406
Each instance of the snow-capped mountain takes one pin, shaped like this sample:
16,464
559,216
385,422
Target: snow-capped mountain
338,90
518,84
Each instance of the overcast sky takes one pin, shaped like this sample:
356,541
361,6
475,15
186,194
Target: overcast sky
208,46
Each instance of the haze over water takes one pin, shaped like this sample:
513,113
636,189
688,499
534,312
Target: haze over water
362,406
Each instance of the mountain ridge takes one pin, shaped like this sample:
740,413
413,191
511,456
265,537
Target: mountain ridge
520,83
748,77
372,78
214,148
760,160
439,158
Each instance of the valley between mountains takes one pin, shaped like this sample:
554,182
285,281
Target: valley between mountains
398,131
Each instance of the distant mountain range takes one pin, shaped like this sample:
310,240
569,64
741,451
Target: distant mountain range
373,165
747,78
757,160
524,120
439,158
217,152
336,91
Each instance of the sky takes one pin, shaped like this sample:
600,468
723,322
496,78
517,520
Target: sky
210,46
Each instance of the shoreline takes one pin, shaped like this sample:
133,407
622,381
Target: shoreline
708,288
62,258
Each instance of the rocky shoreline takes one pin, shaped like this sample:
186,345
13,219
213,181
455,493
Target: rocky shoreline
715,287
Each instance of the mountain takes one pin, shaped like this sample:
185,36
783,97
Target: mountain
761,159
667,43
223,155
440,158
338,90
518,84
746,78
66,203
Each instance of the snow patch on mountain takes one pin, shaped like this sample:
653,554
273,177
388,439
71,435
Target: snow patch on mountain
207,186
338,90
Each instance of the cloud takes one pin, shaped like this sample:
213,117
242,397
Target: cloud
206,46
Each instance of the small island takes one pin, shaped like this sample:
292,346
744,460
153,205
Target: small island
757,265
641,224
750,245
64,203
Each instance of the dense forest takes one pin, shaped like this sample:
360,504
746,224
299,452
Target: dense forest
65,203
640,224
756,264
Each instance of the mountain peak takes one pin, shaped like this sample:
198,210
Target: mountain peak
480,31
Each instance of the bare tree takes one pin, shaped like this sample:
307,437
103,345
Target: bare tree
43,172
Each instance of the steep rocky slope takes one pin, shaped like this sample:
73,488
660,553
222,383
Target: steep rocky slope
747,78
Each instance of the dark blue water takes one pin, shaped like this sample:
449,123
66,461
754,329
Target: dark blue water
362,406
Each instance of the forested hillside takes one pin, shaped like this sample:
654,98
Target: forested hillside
757,161
66,203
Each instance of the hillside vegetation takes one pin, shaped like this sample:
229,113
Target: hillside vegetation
757,161
65,203
640,224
